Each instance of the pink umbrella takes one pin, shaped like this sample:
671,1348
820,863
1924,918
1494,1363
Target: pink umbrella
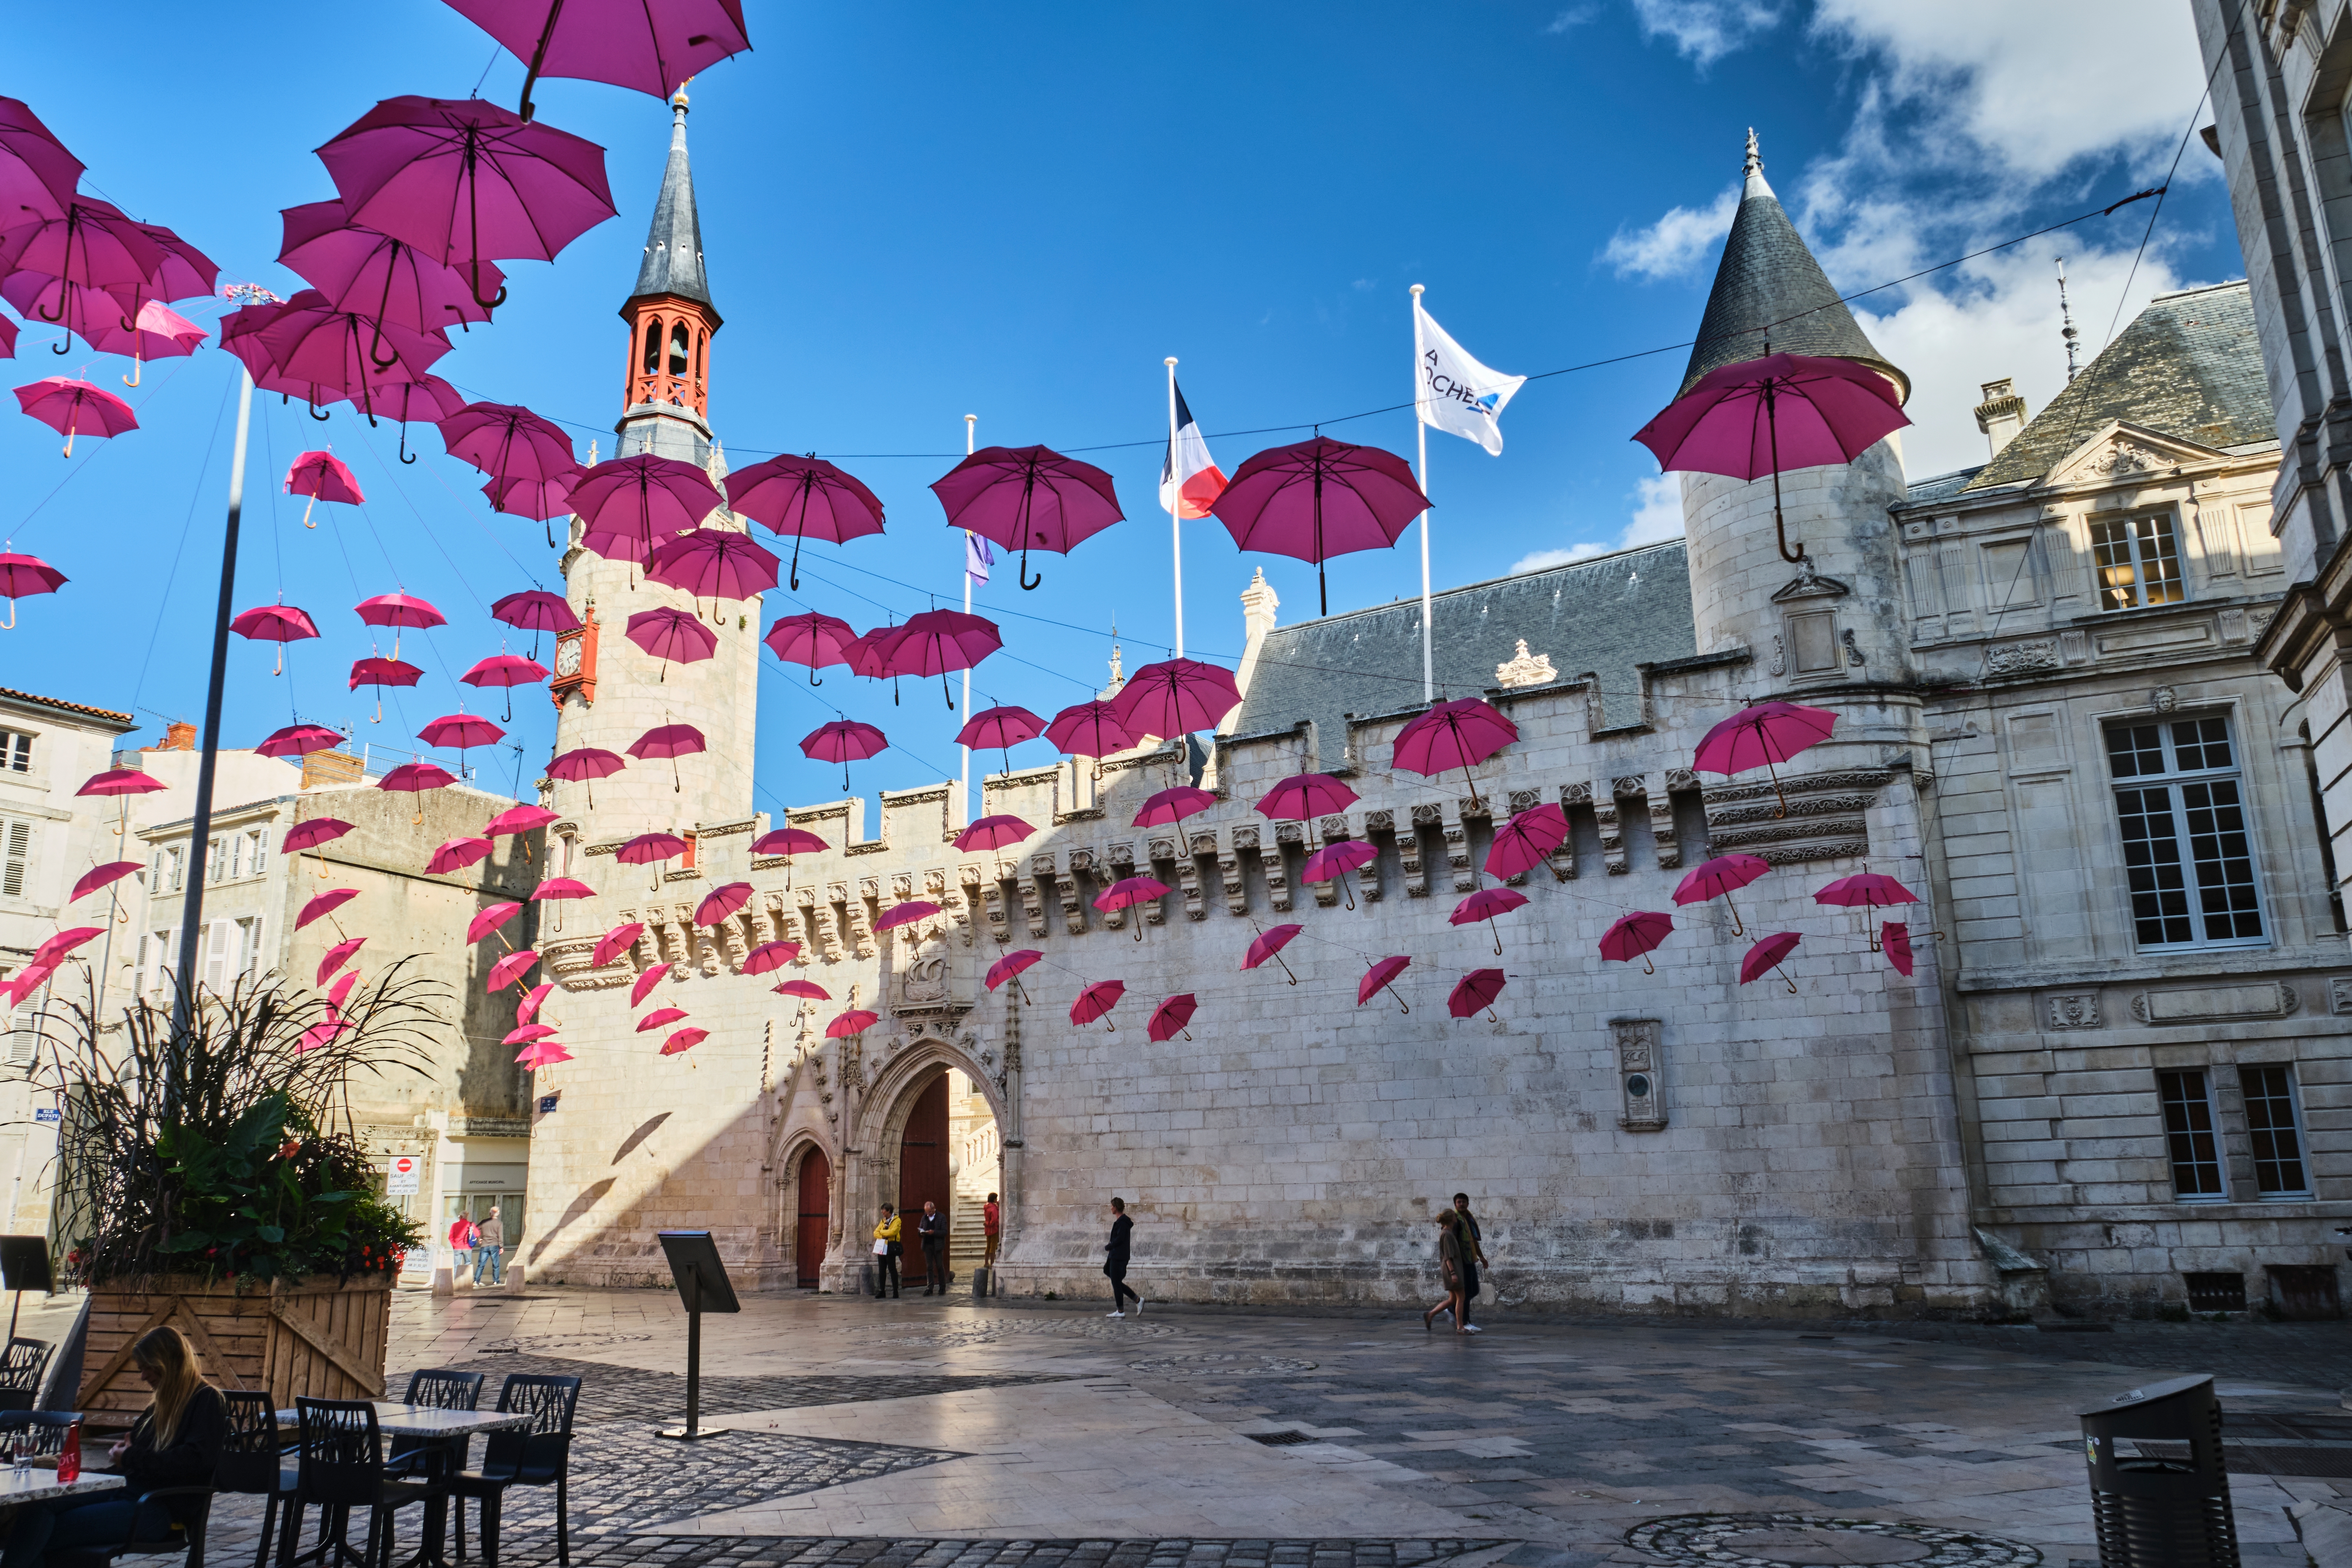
722,901
341,988
542,501
672,634
309,835
769,955
616,942
299,741
528,1033
63,942
1526,840
1475,990
72,407
1096,1002
905,914
462,731
489,920
1760,736
1010,966
1027,498
1319,499
645,982
1302,797
713,564
1894,938
157,332
338,955
844,741
1866,891
540,1054
808,989
517,819
535,610
36,173
992,833
185,270
23,983
1634,936
375,275
102,876
863,653
1334,861
1771,414
585,765
311,341
1173,805
325,904
1718,878
507,441
684,1041
857,1021
554,887
280,623
1485,905
506,671
659,1016
383,672
88,242
1090,730
1452,735
650,849
1767,954
465,182
807,498
788,842
456,855
99,315
1269,945
528,1008
22,577
416,778
654,49
813,639
937,641
1128,891
509,969
1380,977
120,781
1176,696
628,505
1171,1016
398,610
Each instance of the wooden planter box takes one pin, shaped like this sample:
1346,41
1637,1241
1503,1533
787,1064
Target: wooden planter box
320,1337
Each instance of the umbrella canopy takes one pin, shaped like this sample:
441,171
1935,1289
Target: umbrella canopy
722,901
814,639
509,969
1173,805
528,1008
683,1041
1636,936
807,498
1269,943
157,332
341,988
844,741
74,407
1766,956
416,777
275,622
807,990
489,920
1027,498
541,1053
1475,990
906,913
1526,840
658,1017
542,501
376,671
769,955
312,833
23,576
1171,1016
103,876
1318,499
90,242
63,942
325,904
340,954
1003,727
616,942
713,564
1176,696
462,731
1095,1001
1301,797
646,981
503,671
1895,938
992,833
788,841
1485,905
465,182
1865,890
456,855
517,819
1128,891
937,641
1334,861
311,341
535,610
648,47
554,887
627,506
1380,977
585,765
528,1033
1720,878
300,740
120,781
1011,964
507,441
1762,735
322,476
376,276
857,1021
37,172
650,849
1090,730
1453,734
672,635
671,741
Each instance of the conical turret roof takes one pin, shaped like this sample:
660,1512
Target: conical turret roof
673,263
1771,296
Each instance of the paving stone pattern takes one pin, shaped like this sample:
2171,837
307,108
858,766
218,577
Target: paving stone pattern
835,1552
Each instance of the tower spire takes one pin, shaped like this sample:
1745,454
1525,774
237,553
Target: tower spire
670,312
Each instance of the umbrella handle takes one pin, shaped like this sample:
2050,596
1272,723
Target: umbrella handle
10,623
1024,580
409,456
1108,1027
1286,967
307,510
1784,976
59,347
320,415
947,690
1647,967
813,679
1499,938
1772,426
1399,1001
1495,1015
1349,887
1728,904
137,367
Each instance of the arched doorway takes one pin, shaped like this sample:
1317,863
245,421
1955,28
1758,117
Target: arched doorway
923,1162
809,1235
949,1152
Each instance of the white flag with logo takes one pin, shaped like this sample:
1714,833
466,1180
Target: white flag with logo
1458,394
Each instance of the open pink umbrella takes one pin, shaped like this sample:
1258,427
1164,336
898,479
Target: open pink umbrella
1096,1002
1720,878
341,988
396,611
650,849
528,1008
325,904
1302,797
1485,905
906,913
88,242
157,332
627,506
526,1033
380,673
456,855
535,610
844,741
416,778
542,501
1636,936
517,819
1027,498
813,639
338,955
507,441
1176,696
63,942
509,969
465,182
311,342
1318,499
1760,736
299,741
99,877
1866,891
1269,943
1453,734
769,955
646,981
616,942
36,173
280,623
76,407
506,671
1090,730
1173,805
1381,977
1475,990
1171,1016
550,889
376,276
937,641
722,901
1528,840
652,49
1771,414
1767,956
120,781
807,498
672,635
585,765
462,731
540,1054
992,833
22,577
310,833
855,1021
1894,938
713,564
1334,861
668,742
1128,891
1010,966
489,920
322,476
684,1041
658,1017
788,842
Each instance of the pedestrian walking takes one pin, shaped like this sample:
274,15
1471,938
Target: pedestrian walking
1449,1266
992,1220
931,1229
887,1249
461,1242
1115,1261
490,1248
1474,1258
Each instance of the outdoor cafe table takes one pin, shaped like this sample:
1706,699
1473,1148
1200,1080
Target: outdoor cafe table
444,1430
38,1483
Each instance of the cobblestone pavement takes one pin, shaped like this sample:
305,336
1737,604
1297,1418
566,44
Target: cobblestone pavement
987,1436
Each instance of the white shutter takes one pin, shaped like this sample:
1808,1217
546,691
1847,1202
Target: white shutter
214,936
24,1034
15,857
248,944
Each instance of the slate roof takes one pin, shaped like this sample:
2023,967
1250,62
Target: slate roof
2190,366
1768,287
1937,486
673,263
1604,615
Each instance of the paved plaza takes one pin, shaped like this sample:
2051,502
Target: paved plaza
987,1436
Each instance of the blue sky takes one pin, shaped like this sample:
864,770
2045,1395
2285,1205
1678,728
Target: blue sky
911,213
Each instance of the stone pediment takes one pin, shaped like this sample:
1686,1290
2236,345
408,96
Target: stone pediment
2124,453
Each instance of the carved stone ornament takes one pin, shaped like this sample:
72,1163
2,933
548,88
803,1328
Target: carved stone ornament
1779,664
2164,699
1640,1076
2078,1010
2126,456
2019,658
1525,668
2339,993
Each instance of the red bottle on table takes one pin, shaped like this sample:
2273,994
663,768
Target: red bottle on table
70,1456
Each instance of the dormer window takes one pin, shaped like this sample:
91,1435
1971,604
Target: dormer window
2138,561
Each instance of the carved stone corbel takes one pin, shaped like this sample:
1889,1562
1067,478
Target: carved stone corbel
1368,888
1417,874
1229,868
1033,893
1612,835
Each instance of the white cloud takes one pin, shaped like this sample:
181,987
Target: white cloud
1673,245
1569,18
1657,515
1705,30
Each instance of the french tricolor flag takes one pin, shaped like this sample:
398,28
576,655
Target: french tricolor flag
1189,481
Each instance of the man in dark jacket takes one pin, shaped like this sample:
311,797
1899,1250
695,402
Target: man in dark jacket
1115,1261
933,1230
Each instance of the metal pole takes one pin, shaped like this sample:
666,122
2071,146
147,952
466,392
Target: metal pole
1420,429
1175,507
694,1368
191,907
970,420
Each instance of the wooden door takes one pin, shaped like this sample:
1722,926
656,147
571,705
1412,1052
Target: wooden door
816,1215
923,1168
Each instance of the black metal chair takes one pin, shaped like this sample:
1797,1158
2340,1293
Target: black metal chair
340,1466
20,1372
48,1430
185,1536
436,1389
253,1461
538,1455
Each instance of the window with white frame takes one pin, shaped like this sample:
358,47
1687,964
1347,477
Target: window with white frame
2188,854
2139,560
214,943
2190,1143
23,1026
156,957
248,944
15,857
175,869
15,751
2276,1131
216,862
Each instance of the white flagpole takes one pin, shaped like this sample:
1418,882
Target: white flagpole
1175,507
970,420
1420,429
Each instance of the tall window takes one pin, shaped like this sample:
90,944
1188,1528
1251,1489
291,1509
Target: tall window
15,751
215,863
2279,1168
2138,560
15,857
2186,851
175,865
248,944
2188,1135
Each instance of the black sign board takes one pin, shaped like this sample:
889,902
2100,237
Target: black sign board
702,1285
24,1265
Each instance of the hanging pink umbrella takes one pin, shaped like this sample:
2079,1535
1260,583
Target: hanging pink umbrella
36,173
185,272
659,1016
1176,696
462,731
1128,891
95,314
61,944
813,639
1762,735
1636,936
654,49
650,849
1453,734
713,564
906,913
526,1034
341,988
376,276
857,1021
554,887
456,855
509,969
322,476
1027,498
645,982
338,955
1894,938
300,740
311,341
396,611
540,1054
542,501
416,778
628,505
1485,905
22,577
1096,1002
102,876
684,1041
769,955
844,741
1003,728
76,407
807,498
992,833
670,742
506,671
1173,805
120,781
1866,891
788,842
325,904
1767,956
535,610
1475,990
1010,966
1171,1016
1302,797
1268,944
157,332
383,672
616,942
466,183
309,835
1528,840
90,242
517,819
1090,730
722,901
528,1008
672,635
489,920
1318,499
585,765
1334,861
1720,878
507,441
807,990
1381,977
280,623
937,641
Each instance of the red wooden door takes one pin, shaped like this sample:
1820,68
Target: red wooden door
923,1168
816,1215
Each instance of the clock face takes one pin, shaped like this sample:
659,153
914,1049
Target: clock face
567,656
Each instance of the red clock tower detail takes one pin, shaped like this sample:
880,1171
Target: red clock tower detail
575,662
670,314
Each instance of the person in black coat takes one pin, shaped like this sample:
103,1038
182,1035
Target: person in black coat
931,1229
1115,1261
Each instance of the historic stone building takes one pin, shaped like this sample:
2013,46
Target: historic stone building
2115,1077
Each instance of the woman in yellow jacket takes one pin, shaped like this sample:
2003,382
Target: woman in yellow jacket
887,1249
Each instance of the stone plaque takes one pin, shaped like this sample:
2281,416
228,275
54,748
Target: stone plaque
2076,1010
1641,1061
1815,636
2267,999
